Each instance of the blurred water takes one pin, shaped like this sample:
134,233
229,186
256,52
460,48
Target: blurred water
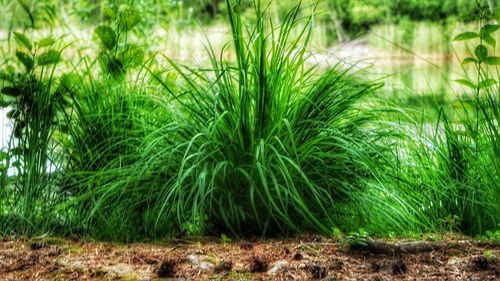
404,75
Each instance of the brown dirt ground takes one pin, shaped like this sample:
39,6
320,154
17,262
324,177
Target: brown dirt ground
304,258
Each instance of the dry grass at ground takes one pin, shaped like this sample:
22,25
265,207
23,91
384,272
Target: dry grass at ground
305,258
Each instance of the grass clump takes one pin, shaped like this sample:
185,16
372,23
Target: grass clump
262,145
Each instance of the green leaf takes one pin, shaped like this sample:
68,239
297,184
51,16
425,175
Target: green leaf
5,76
469,60
49,57
466,36
45,42
492,60
107,36
481,52
487,83
132,56
11,91
23,40
466,83
114,66
26,60
488,29
128,19
109,12
10,70
3,155
490,40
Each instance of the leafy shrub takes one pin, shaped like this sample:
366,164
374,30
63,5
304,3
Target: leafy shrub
117,55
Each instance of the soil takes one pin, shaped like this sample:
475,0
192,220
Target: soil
303,258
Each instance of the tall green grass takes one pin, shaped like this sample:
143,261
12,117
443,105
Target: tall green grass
450,167
34,98
263,145
452,163
105,132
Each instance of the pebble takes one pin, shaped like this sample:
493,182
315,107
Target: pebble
198,263
277,266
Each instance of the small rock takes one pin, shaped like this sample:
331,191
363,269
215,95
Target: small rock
76,266
277,266
198,263
454,261
121,269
